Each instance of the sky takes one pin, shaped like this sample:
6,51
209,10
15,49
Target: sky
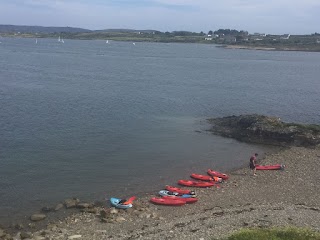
254,16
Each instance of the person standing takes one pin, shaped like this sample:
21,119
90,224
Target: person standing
253,161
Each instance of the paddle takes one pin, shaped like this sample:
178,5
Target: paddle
129,201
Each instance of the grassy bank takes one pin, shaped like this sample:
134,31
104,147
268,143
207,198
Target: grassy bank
275,234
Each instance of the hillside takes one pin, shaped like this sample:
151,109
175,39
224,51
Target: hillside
39,29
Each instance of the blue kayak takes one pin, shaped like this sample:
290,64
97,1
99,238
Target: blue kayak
169,193
116,203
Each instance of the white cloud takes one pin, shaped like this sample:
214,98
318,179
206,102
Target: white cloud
273,16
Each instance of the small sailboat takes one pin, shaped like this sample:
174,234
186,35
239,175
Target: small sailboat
107,41
62,40
59,39
36,40
134,43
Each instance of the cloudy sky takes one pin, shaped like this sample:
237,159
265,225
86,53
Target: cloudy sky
267,16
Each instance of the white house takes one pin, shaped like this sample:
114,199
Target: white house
285,36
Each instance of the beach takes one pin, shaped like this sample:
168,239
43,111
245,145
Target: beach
272,198
249,47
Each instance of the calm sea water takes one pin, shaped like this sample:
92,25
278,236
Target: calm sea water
95,120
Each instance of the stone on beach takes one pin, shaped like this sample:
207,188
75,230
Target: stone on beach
71,203
2,233
74,236
38,217
58,207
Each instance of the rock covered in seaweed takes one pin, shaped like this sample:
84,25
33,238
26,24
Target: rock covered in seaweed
267,130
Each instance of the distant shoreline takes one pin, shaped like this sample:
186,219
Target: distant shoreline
300,48
264,48
248,47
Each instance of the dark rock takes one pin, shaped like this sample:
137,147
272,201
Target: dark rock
90,210
219,213
266,130
18,226
179,225
47,209
24,235
314,209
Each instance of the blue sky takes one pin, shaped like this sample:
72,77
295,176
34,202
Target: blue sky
268,16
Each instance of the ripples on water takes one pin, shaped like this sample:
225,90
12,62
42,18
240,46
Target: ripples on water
93,120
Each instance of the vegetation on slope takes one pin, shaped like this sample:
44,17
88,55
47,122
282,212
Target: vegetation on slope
275,234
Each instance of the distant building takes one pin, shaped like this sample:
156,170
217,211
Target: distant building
285,36
208,38
259,35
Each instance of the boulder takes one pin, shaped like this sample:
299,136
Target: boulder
71,202
38,217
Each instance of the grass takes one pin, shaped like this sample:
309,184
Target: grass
311,127
290,233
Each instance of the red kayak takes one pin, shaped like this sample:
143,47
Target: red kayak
179,190
205,177
217,174
201,177
167,201
196,183
270,167
187,200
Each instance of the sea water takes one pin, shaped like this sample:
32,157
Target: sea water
93,120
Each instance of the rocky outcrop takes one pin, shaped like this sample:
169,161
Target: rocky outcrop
266,130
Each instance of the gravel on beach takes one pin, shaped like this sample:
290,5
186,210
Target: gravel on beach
272,198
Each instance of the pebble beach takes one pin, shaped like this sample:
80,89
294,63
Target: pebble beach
272,198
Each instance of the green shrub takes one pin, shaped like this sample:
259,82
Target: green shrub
275,234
